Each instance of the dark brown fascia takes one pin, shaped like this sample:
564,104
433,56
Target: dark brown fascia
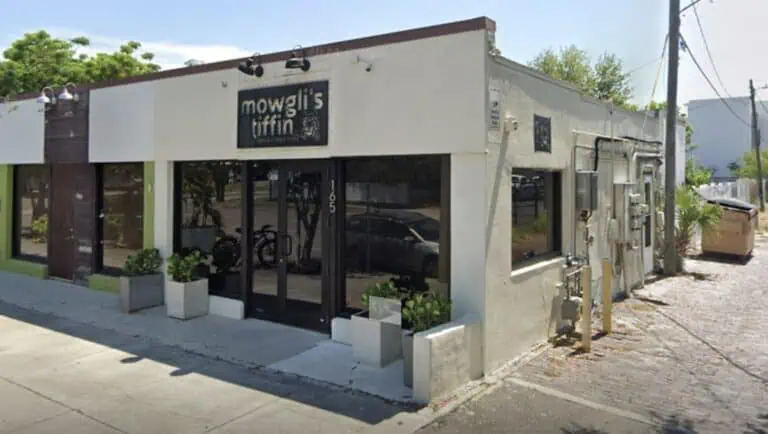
481,23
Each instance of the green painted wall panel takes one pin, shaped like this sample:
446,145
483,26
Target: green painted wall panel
28,268
6,211
103,282
149,205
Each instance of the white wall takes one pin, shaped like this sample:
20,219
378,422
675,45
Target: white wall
420,97
122,123
21,133
721,136
522,305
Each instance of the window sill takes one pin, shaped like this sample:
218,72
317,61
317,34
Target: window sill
536,267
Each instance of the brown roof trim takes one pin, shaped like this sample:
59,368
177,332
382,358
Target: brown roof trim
481,23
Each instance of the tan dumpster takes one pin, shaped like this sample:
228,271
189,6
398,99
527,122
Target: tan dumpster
735,234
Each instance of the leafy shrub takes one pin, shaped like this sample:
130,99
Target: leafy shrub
143,263
386,289
693,212
425,311
40,228
184,268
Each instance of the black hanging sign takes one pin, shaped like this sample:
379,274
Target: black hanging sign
292,115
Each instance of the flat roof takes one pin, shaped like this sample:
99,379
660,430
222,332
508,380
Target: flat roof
480,23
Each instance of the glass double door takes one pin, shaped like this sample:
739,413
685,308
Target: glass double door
288,276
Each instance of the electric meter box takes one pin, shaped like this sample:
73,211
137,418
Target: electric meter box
586,190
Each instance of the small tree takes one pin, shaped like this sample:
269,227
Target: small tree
692,212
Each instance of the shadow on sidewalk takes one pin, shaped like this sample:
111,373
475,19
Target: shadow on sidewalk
352,404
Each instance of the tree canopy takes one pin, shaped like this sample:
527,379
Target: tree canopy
605,79
38,59
746,167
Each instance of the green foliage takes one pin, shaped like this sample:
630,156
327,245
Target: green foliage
692,212
425,311
606,79
40,228
384,289
696,175
748,164
734,167
143,263
37,60
184,268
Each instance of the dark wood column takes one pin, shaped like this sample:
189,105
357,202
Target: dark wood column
73,219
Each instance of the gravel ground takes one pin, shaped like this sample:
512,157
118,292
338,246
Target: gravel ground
688,354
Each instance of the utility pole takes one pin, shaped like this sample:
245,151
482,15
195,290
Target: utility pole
670,252
756,146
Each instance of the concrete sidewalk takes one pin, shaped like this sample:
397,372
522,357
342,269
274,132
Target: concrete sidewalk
251,343
58,375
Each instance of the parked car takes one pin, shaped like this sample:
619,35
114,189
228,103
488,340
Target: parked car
393,241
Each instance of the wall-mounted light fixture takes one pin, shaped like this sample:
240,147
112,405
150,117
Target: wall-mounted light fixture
252,66
44,98
66,95
368,65
296,62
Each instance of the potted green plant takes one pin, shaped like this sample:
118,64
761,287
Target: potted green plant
376,331
420,313
141,283
186,294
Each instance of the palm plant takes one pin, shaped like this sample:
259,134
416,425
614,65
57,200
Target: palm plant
692,212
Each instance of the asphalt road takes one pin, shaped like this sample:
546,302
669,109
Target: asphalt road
513,408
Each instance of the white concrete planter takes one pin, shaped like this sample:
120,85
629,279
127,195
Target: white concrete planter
376,342
408,358
141,292
341,330
226,307
380,308
185,300
441,361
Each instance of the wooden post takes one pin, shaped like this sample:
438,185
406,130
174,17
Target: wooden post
586,309
607,296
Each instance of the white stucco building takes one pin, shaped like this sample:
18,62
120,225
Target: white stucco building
423,153
722,136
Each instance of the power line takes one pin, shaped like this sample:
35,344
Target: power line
706,47
655,82
711,85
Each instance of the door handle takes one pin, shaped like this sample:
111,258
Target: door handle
288,245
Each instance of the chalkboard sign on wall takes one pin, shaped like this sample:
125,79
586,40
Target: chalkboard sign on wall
293,115
542,134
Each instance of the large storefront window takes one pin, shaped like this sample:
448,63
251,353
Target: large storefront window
396,223
122,213
31,210
209,216
535,215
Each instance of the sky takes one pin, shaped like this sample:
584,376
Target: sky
635,30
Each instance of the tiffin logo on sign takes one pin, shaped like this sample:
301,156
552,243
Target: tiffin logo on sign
293,115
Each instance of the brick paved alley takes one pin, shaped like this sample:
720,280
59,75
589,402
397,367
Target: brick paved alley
689,355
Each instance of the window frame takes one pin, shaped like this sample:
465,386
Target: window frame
16,214
556,221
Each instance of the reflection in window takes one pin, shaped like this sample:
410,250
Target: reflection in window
123,210
535,214
210,216
31,185
396,222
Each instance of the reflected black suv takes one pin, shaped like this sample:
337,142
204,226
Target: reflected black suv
393,241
